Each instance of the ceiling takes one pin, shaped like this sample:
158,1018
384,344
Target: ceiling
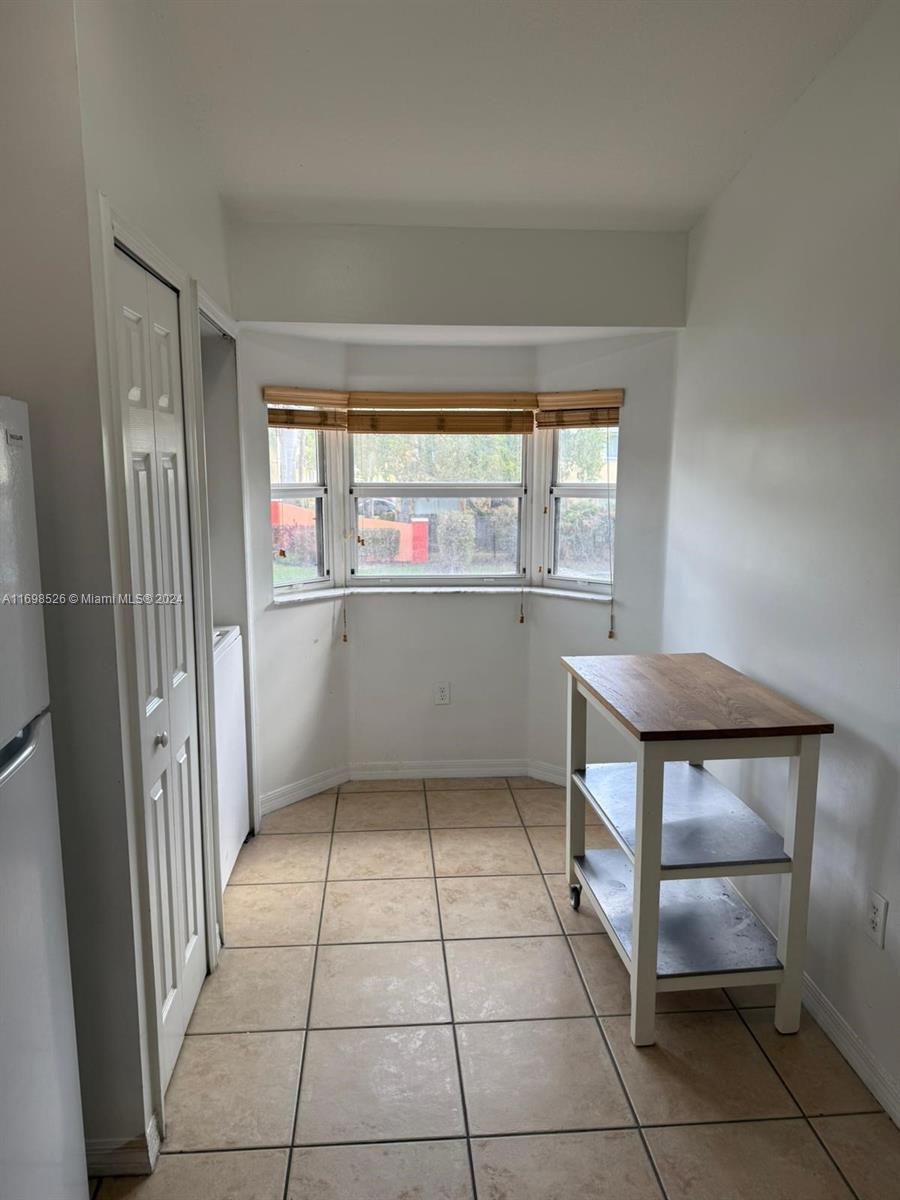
612,114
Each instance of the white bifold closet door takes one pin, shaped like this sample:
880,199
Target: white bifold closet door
149,371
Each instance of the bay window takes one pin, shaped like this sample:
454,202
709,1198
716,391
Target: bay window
436,489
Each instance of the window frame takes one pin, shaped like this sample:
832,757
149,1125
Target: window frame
559,491
355,491
319,491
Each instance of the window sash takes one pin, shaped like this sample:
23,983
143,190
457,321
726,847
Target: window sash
305,491
560,491
448,490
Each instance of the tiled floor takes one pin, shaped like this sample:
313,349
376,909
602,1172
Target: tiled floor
409,1009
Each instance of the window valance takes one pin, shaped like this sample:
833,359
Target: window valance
440,412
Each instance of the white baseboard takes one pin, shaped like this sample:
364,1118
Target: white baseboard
434,769
548,772
885,1089
110,1156
323,781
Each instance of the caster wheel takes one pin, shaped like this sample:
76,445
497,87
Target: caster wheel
575,896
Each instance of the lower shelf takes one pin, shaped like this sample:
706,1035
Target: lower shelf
705,928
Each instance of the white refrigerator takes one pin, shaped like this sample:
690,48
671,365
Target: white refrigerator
41,1134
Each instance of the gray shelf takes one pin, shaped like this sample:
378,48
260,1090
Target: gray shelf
705,928
704,824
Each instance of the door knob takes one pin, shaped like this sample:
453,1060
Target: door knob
162,739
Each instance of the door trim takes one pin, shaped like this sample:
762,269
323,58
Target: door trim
115,232
220,318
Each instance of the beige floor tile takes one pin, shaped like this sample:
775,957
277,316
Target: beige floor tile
547,806
381,854
244,1175
380,910
233,1091
704,1067
285,858
380,785
274,914
509,979
385,983
609,983
754,995
612,1165
867,1150
381,810
821,1079
518,782
756,1160
312,815
585,920
496,906
254,989
379,1084
539,1076
549,843
467,783
490,806
390,1171
482,852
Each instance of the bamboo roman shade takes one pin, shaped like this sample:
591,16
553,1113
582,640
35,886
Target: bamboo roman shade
578,410
439,412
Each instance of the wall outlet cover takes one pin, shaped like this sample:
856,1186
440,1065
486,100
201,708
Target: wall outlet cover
876,917
442,693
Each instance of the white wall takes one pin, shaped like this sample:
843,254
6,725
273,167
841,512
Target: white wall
141,147
421,276
48,358
783,554
300,681
327,707
644,366
223,461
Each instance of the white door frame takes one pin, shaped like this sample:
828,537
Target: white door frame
208,307
115,231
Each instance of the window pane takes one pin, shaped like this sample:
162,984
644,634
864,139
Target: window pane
587,455
294,456
297,544
438,535
584,537
437,457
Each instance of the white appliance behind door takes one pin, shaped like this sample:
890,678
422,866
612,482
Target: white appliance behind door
41,1134
231,747
23,660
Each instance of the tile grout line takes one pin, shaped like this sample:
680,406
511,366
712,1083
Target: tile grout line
312,984
790,1092
598,1025
508,1133
455,1035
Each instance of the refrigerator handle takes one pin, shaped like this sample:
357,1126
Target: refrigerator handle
34,736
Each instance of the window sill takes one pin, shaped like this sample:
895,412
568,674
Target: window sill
449,590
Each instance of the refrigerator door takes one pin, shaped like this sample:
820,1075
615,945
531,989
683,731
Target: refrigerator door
23,661
41,1135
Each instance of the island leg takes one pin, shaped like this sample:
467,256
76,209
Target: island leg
645,914
576,760
794,907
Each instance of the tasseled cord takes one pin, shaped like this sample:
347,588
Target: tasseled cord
612,618
344,637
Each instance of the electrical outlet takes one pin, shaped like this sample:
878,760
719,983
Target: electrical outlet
876,916
442,693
